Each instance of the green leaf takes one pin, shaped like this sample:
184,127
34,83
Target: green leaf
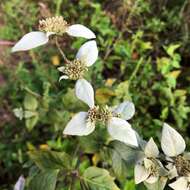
122,157
51,159
119,165
31,122
94,142
98,179
159,185
29,114
171,49
45,180
30,102
129,154
19,113
129,185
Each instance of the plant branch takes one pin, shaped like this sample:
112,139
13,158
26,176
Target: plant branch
133,75
61,51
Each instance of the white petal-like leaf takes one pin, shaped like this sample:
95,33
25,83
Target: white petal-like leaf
172,171
78,30
61,69
121,130
79,126
88,53
30,40
20,183
152,179
151,149
63,77
126,110
172,142
179,184
141,174
85,92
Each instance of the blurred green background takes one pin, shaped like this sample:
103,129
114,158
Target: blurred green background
143,56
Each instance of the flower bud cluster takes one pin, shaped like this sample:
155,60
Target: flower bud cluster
99,114
55,24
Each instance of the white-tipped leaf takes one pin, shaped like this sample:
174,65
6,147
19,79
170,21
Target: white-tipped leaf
85,92
152,179
63,77
78,30
126,110
121,130
172,170
172,142
179,184
151,149
61,69
30,41
88,53
20,183
79,126
141,174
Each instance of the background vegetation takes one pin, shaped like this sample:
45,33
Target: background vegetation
144,57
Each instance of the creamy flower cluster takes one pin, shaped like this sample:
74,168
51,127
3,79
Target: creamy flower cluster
154,167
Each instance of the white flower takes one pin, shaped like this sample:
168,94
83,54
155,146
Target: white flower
149,167
182,183
83,123
55,25
20,184
173,145
85,57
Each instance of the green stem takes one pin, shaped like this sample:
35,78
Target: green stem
32,93
61,51
58,7
133,75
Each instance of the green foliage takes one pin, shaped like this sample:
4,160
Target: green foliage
143,57
44,180
122,157
97,178
50,160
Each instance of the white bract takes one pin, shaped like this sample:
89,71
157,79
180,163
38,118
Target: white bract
182,183
148,168
173,145
50,26
83,123
20,184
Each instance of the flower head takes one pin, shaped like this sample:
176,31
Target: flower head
56,25
149,168
51,26
74,70
86,56
83,123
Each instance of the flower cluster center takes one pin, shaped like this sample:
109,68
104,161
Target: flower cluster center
182,166
53,24
98,114
153,167
75,69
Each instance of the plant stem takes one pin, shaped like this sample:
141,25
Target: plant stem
31,92
61,51
133,75
58,6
